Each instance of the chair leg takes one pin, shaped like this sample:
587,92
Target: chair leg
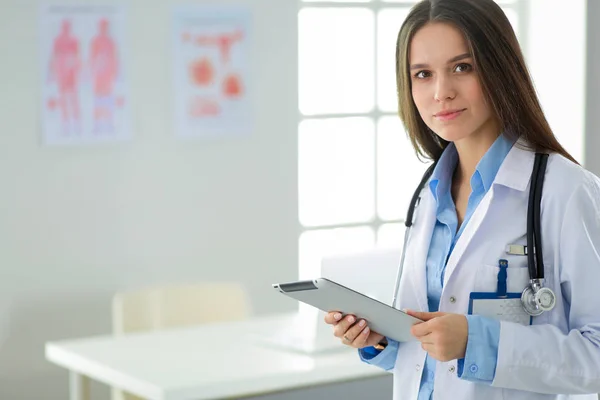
79,386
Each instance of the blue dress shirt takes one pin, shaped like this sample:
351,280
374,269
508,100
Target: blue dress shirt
484,333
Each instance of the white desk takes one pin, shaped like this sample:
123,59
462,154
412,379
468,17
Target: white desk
204,362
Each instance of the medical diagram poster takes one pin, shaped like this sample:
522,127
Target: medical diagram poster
83,74
211,71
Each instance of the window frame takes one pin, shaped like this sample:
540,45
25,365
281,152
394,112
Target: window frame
376,222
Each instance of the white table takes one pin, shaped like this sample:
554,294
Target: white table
203,362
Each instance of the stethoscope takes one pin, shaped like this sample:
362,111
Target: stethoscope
535,298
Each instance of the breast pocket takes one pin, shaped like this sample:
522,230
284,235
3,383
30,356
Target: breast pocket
517,278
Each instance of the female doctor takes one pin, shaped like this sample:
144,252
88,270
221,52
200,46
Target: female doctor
467,102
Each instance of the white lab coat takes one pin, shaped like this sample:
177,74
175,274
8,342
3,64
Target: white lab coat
559,356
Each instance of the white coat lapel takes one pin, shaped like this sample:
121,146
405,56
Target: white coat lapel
419,246
467,235
511,174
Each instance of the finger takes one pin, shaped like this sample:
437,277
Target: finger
342,326
354,331
333,317
424,316
422,329
427,339
429,348
361,339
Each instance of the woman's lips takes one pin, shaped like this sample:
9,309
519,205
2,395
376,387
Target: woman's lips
449,116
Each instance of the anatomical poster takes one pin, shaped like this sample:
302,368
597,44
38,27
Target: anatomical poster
84,95
211,77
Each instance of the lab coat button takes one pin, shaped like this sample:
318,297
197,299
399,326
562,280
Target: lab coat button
452,369
452,299
473,368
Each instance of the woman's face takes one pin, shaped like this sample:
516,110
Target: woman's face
445,85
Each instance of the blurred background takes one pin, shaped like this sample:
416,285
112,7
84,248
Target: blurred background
325,169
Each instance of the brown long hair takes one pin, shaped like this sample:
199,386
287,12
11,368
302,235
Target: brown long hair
502,71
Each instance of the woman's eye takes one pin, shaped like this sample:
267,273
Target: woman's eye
422,74
463,67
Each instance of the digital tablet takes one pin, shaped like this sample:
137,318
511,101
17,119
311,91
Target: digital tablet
328,295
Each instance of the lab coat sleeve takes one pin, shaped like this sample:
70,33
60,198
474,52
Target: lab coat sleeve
545,358
384,359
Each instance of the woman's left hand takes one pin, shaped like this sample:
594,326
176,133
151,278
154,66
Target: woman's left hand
443,335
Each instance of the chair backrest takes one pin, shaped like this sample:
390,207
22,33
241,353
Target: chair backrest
176,305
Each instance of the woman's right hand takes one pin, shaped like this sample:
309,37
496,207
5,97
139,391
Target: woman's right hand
352,333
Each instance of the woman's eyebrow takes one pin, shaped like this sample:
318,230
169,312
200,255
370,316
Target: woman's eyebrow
453,59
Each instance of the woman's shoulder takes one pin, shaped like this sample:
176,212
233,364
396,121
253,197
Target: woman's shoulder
562,169
568,179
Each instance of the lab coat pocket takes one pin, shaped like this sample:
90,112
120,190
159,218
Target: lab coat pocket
517,278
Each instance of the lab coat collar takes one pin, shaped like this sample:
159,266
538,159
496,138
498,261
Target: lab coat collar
515,171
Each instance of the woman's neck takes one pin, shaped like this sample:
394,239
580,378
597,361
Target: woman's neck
470,151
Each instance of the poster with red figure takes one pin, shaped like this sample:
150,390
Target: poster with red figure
211,71
83,69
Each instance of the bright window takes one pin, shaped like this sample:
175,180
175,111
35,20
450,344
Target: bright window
356,167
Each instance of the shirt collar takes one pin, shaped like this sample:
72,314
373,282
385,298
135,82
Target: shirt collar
490,163
485,172
441,177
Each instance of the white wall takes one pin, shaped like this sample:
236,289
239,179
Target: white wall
77,224
592,128
555,49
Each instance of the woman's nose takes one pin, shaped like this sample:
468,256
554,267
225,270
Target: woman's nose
444,90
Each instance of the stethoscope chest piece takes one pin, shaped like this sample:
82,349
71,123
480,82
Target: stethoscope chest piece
537,299
545,299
